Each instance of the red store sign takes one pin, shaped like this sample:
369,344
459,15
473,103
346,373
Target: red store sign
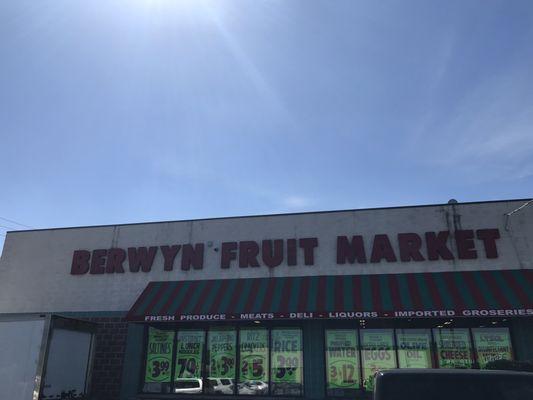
412,247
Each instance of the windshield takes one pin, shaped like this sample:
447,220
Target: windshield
188,384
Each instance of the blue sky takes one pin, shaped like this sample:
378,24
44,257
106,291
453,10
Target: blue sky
146,110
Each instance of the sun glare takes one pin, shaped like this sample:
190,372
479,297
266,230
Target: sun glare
183,6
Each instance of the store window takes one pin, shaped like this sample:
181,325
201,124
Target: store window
414,348
286,374
492,344
253,368
453,348
157,377
342,362
251,361
256,361
221,355
377,351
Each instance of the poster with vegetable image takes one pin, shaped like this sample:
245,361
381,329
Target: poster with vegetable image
453,348
414,349
287,356
189,354
492,344
254,355
342,359
221,345
377,351
159,356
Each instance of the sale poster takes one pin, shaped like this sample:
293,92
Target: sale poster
453,348
189,354
159,356
414,349
492,344
377,350
342,359
253,355
287,356
221,346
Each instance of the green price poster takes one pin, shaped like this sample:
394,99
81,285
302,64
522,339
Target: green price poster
287,356
492,344
159,356
377,350
414,350
453,348
254,354
222,353
342,359
189,354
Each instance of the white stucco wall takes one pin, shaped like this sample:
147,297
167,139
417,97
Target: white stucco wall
35,265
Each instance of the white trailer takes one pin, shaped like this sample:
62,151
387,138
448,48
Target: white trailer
45,357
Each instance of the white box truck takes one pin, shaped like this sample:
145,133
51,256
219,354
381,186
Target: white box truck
45,357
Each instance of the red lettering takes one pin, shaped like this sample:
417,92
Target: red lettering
436,246
465,244
489,237
309,244
115,259
382,249
80,262
98,261
228,254
169,255
350,251
192,256
248,252
410,244
272,253
141,258
292,256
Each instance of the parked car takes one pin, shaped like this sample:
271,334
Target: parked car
253,387
219,385
188,385
452,384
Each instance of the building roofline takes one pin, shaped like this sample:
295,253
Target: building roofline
268,215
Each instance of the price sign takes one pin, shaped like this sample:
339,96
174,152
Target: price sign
377,349
287,356
159,356
492,344
414,349
222,353
342,359
254,354
453,348
189,354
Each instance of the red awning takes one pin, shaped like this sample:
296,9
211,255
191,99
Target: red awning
444,294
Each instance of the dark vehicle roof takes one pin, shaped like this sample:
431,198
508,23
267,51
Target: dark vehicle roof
475,372
453,384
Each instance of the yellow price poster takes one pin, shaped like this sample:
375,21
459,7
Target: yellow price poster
222,353
287,356
453,348
414,350
159,356
189,354
254,354
342,359
492,344
377,350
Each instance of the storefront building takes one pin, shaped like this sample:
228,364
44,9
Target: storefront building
305,305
